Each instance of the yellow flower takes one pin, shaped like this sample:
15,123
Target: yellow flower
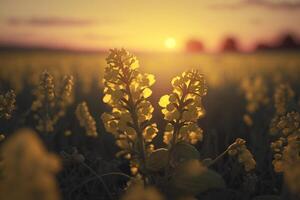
146,92
191,133
7,104
164,101
256,93
126,91
123,143
150,132
28,168
50,103
282,97
168,134
134,167
244,156
171,115
291,163
145,110
65,96
278,165
248,120
287,124
86,120
183,107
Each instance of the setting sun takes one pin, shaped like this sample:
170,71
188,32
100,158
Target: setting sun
170,43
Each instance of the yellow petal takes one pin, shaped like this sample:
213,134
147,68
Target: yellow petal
164,101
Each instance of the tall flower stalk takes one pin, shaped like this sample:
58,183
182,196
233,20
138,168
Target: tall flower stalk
126,91
86,120
183,107
50,105
7,104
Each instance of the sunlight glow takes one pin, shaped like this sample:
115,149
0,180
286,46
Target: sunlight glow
170,43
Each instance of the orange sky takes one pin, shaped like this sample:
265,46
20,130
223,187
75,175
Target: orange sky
144,25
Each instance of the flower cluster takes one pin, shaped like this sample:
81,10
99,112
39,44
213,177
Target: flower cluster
126,90
65,97
45,93
183,107
282,97
245,157
86,120
286,126
28,168
289,124
287,160
289,129
49,105
256,93
7,104
277,148
291,157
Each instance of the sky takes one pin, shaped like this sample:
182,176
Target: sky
152,25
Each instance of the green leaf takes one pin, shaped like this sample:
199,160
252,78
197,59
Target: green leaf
185,183
207,161
182,152
157,160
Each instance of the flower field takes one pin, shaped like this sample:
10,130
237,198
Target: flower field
117,125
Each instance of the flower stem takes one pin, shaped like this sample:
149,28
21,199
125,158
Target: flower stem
136,126
219,157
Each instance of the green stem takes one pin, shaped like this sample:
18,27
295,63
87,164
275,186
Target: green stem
180,108
218,157
136,125
117,174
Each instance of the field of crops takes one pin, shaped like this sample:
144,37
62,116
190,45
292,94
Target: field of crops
155,126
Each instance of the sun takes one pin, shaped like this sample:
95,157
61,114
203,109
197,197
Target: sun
170,43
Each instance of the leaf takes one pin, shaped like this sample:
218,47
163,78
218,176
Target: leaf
157,160
182,152
186,183
207,161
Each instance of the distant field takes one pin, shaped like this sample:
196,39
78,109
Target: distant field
218,69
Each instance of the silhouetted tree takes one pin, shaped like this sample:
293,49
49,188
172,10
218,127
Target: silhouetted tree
194,46
285,42
263,47
230,44
288,41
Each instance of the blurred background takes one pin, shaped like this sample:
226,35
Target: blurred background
244,48
231,42
143,26
54,31
168,37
